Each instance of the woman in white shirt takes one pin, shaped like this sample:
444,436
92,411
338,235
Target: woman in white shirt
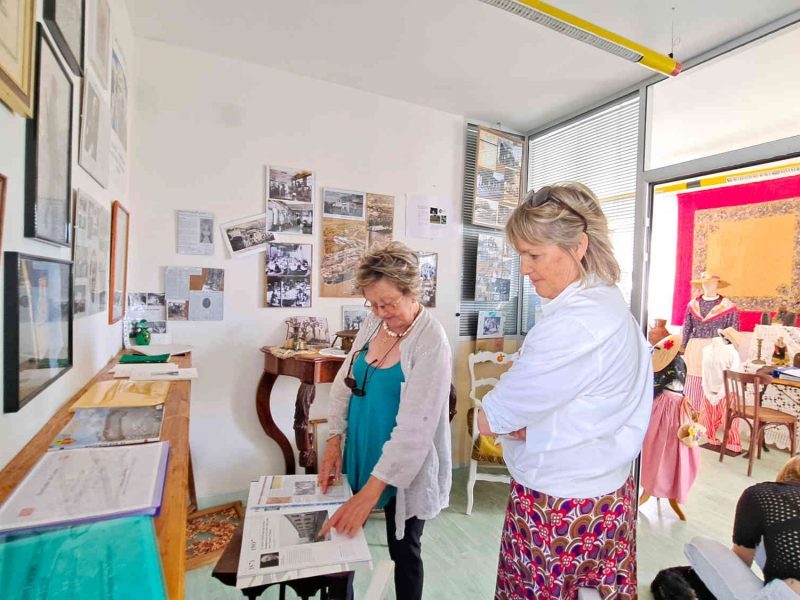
575,407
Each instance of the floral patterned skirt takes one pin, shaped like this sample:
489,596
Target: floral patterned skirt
552,546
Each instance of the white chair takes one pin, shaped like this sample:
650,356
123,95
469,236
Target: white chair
485,450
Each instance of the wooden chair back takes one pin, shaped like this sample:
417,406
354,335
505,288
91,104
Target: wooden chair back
736,385
476,382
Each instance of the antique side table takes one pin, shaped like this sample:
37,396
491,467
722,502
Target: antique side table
310,370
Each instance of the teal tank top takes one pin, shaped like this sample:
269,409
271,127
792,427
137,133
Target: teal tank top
370,421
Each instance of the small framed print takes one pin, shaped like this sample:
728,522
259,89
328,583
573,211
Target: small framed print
48,178
118,268
17,28
38,326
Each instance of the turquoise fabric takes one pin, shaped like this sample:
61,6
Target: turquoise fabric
370,420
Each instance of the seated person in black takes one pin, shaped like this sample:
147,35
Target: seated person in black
771,510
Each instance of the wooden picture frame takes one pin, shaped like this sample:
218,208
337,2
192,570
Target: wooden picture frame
118,266
221,530
64,20
37,337
3,186
16,72
48,168
497,188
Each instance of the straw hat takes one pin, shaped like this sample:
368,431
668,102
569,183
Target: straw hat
705,277
730,334
665,351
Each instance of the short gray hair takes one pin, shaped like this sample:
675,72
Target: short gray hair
558,214
394,261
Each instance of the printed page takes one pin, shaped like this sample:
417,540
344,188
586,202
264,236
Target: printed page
195,232
280,491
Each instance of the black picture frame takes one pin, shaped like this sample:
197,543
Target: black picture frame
48,195
38,329
65,21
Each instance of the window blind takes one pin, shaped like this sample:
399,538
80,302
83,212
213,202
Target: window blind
468,320
600,151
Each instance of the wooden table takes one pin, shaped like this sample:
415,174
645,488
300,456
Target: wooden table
310,370
171,522
336,586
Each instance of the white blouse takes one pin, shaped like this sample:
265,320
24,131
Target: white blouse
583,388
718,357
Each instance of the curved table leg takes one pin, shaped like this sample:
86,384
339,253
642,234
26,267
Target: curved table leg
306,456
268,423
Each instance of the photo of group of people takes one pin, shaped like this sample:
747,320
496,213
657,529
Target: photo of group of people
247,235
290,200
288,281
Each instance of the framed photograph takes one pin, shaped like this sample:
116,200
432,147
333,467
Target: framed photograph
95,131
246,235
498,176
48,169
314,330
3,184
38,326
343,245
288,280
353,316
343,204
494,269
290,200
64,19
380,219
120,225
98,39
490,324
90,255
428,267
119,96
17,20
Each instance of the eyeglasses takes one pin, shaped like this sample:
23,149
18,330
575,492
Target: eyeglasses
384,306
543,197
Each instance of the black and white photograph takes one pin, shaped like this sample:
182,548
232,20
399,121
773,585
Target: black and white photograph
64,19
288,280
290,200
493,269
438,216
95,132
48,189
304,488
150,306
343,204
353,316
302,528
247,235
37,332
178,310
490,184
485,211
91,247
194,232
98,38
428,267
119,96
314,330
509,154
269,559
498,177
490,324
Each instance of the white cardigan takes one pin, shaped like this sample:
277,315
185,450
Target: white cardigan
583,387
417,458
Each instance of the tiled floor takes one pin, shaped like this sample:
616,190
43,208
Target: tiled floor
460,551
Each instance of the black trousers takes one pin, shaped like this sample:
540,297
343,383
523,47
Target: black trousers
406,554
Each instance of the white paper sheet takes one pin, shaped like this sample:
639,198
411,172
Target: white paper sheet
179,375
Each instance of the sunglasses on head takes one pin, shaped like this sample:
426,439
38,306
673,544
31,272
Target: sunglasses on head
542,197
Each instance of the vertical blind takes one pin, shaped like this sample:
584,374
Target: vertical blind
600,151
468,320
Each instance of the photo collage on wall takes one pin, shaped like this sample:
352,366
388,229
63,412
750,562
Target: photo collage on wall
494,269
498,176
288,275
91,254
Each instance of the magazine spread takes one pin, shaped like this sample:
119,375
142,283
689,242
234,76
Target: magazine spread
110,427
281,538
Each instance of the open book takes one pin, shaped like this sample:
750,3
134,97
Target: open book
281,538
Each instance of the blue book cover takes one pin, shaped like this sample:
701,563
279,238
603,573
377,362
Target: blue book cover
110,559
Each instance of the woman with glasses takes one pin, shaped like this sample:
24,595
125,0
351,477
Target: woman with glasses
573,409
389,402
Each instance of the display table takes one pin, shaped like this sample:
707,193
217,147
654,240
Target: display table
335,586
171,522
781,395
310,370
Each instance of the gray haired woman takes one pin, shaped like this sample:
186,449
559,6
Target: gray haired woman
390,403
575,406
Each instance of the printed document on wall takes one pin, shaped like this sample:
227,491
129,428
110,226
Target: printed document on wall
429,217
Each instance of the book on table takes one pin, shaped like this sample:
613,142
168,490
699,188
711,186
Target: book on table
281,540
88,484
91,427
113,393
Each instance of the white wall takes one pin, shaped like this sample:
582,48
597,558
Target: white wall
207,126
740,99
94,341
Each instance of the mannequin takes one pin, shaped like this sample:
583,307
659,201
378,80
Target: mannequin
668,467
721,355
706,314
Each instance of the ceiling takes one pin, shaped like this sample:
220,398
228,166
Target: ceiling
459,56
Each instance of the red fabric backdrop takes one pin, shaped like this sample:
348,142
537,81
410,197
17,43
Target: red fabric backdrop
735,195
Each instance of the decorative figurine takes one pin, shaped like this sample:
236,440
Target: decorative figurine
142,333
779,354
